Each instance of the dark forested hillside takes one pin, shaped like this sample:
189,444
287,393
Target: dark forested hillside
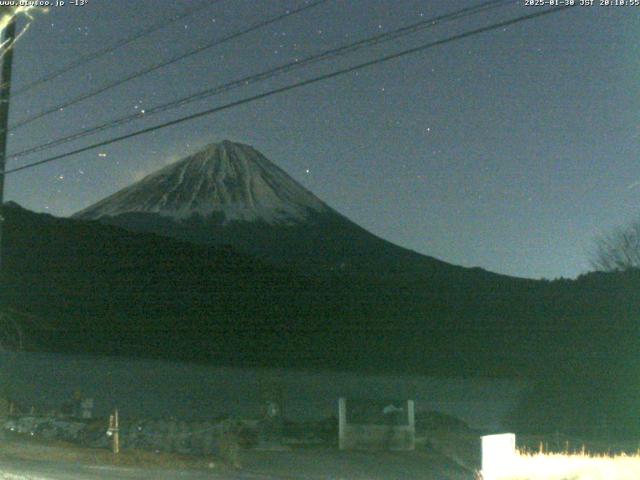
99,288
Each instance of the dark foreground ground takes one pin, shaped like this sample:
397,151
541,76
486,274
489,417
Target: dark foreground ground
27,460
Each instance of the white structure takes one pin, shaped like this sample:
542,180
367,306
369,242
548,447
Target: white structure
498,454
86,408
395,431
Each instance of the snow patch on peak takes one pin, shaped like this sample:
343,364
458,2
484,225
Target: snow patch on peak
227,179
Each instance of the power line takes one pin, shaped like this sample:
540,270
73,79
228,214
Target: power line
302,83
163,64
284,68
122,43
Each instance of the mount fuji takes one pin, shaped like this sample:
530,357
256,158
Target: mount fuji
231,194
301,284
226,182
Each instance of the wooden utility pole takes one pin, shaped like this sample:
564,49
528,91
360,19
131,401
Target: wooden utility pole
114,432
8,38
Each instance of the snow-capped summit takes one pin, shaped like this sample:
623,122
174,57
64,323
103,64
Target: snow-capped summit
229,181
230,194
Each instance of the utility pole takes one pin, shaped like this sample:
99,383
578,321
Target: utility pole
8,38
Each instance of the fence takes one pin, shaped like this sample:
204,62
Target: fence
166,435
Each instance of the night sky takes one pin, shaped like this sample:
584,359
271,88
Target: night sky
509,150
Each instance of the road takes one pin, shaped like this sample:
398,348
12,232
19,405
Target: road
16,469
315,464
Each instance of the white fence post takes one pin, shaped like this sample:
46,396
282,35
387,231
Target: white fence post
342,421
411,413
411,418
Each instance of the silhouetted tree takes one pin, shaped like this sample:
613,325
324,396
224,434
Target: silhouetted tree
20,331
618,251
11,330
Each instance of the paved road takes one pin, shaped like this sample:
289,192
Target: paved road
301,465
35,470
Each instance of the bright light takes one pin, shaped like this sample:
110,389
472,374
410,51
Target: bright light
7,14
557,466
498,455
501,461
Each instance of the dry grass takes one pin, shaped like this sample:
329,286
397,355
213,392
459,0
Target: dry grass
573,460
571,466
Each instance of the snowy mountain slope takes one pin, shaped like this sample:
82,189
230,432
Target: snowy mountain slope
229,181
230,194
